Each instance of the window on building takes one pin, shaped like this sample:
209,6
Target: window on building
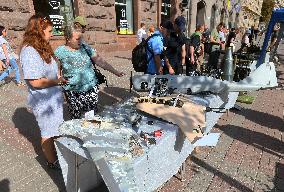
59,11
166,10
213,18
124,16
237,20
200,16
223,15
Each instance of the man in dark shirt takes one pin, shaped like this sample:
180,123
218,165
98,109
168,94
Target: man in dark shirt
206,40
274,36
251,35
196,48
231,37
175,46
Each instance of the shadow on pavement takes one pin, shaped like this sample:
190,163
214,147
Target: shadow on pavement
256,139
231,181
263,119
279,177
280,77
120,57
5,185
27,125
55,175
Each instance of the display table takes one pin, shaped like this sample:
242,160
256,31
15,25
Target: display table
116,153
78,169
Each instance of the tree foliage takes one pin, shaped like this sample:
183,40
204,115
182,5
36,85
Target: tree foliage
266,10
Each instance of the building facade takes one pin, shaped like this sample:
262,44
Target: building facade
279,3
211,13
113,23
250,13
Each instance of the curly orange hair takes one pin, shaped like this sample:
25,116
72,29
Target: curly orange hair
34,36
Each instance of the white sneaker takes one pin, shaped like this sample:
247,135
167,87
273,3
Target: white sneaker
90,114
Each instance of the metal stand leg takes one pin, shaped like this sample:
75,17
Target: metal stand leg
182,171
76,172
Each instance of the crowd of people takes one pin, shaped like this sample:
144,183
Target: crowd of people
169,49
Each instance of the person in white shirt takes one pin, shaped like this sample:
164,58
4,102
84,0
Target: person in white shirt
222,38
8,57
141,33
245,39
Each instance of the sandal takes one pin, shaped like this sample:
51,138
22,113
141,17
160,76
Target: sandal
20,84
55,165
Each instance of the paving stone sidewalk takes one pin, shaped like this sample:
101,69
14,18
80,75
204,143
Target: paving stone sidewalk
250,153
248,157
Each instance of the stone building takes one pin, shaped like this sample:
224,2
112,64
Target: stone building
112,23
210,13
234,13
206,12
279,3
250,13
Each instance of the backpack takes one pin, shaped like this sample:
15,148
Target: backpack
197,49
139,55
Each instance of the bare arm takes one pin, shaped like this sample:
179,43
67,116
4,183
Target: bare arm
183,53
5,50
45,83
213,41
168,65
106,66
191,50
158,63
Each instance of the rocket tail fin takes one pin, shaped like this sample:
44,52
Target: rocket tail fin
263,77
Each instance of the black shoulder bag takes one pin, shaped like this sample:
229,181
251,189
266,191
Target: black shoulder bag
100,77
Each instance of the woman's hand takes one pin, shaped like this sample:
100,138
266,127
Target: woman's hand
62,81
171,71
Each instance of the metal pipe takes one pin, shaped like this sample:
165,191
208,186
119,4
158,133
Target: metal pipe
76,172
228,67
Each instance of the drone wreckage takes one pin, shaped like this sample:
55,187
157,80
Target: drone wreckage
141,143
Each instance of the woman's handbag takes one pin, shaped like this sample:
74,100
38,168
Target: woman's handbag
100,77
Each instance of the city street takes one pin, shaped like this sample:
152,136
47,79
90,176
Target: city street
249,155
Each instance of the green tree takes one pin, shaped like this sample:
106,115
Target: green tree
266,10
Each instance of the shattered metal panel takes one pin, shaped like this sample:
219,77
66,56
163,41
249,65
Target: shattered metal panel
125,161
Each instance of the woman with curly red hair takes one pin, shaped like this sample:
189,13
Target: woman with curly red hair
43,80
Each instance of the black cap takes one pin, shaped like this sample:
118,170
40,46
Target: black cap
167,25
180,22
